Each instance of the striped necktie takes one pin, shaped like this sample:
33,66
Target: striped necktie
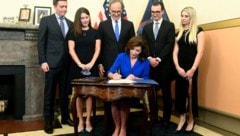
62,25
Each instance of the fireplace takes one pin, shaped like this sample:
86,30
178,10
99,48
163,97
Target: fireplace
12,90
18,45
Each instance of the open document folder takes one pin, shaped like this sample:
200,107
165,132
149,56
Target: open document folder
143,81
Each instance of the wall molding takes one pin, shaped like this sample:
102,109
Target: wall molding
222,122
221,24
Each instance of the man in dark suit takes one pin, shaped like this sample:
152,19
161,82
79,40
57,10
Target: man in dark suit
112,45
160,57
53,58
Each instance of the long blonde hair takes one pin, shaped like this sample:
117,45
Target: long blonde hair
193,28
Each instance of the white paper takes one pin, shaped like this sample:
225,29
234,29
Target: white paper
121,81
144,81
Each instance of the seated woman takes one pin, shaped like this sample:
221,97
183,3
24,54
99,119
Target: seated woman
132,65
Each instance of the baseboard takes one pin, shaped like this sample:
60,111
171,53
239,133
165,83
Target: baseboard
220,122
223,123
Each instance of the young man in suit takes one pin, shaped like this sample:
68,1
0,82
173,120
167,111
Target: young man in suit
53,58
161,47
111,46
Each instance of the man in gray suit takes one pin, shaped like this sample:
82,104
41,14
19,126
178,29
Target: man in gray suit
53,58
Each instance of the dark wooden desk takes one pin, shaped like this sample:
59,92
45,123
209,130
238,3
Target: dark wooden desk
109,92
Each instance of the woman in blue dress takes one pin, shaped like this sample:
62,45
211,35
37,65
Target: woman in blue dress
132,65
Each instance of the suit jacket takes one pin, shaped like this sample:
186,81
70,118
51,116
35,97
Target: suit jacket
162,47
52,46
110,47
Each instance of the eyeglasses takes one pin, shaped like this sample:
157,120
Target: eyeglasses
157,12
116,12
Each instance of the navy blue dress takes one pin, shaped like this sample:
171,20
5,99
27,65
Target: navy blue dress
85,48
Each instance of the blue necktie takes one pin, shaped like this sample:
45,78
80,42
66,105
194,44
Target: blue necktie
155,31
116,30
62,25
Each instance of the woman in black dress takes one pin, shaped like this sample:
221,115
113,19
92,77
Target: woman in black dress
187,55
84,48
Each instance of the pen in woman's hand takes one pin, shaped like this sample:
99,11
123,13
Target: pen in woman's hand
117,76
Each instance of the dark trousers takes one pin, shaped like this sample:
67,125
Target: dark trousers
52,78
164,78
167,100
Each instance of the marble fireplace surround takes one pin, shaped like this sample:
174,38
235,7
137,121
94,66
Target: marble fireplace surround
18,46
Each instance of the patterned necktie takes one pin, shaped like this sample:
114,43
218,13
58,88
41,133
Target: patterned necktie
155,31
62,25
116,30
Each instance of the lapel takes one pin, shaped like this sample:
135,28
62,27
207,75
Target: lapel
69,23
110,28
122,28
56,24
151,33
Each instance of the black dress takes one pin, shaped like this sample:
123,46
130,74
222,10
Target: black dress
186,56
85,48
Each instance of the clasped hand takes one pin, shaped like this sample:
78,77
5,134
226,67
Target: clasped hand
154,62
86,66
186,75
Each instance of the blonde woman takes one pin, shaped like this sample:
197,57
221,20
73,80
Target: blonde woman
187,54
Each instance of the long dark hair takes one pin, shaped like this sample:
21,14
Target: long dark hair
77,25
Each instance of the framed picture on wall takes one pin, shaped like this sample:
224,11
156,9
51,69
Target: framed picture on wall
24,14
40,12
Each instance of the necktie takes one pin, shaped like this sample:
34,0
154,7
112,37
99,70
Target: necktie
155,31
62,25
116,30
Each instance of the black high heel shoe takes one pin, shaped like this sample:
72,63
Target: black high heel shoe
89,131
180,130
177,131
80,131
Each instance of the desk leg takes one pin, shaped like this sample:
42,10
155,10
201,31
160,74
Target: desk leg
74,112
145,115
152,104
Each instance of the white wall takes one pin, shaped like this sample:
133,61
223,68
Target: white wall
207,10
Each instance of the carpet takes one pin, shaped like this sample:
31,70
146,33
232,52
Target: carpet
134,128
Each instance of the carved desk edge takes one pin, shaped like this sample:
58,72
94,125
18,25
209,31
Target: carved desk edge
110,92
